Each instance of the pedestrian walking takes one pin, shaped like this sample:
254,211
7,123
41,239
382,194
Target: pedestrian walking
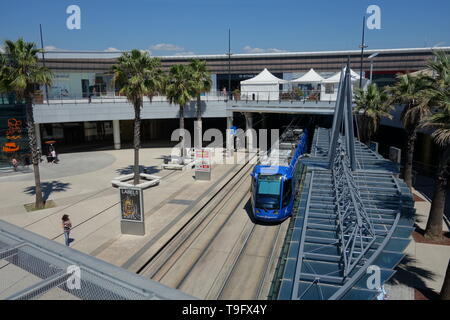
67,226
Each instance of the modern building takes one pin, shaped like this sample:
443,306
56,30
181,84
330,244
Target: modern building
84,109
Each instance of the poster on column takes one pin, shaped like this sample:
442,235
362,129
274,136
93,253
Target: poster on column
202,164
131,207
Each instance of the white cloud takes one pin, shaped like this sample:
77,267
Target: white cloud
249,49
112,49
184,53
51,48
166,47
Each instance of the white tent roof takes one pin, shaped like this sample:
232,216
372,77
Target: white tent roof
337,77
264,77
310,77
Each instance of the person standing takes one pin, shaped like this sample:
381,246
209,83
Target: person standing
67,225
14,163
53,154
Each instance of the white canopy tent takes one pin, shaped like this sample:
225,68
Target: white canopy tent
310,77
264,86
329,87
337,77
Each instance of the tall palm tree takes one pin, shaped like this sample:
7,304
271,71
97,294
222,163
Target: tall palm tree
409,92
202,83
137,75
440,121
21,73
180,90
370,106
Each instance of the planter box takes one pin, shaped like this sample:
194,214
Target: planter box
121,181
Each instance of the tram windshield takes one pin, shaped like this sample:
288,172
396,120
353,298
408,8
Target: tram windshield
268,192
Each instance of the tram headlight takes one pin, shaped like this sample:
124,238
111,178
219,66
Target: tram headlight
275,212
258,211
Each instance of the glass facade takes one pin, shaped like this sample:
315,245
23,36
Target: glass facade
73,85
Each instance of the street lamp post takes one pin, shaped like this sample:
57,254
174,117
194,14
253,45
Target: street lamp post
229,63
362,46
371,63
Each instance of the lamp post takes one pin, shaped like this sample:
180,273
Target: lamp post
43,61
371,64
362,46
434,58
229,63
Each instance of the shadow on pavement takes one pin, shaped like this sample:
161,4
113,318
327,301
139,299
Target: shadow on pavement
48,188
142,169
414,277
248,209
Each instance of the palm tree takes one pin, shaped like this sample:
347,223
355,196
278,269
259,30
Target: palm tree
409,92
440,121
137,75
21,73
157,81
202,83
370,106
180,90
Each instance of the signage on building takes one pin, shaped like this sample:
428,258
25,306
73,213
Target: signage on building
233,130
13,134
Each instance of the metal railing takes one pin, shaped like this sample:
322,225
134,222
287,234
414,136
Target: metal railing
255,96
355,230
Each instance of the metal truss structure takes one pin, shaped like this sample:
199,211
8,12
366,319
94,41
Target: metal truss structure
355,229
354,217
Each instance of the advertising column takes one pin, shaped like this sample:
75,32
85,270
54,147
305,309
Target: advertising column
132,211
202,164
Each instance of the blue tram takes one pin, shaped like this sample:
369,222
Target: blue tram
272,180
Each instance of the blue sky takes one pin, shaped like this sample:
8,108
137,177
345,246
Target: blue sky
169,27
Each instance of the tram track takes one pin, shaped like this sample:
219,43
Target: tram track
157,265
249,275
181,262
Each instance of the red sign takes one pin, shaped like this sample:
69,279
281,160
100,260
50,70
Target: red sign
202,160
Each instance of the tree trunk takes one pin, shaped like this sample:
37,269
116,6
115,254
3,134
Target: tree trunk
445,291
39,204
182,131
137,141
407,173
199,131
434,224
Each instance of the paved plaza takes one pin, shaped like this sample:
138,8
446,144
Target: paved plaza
80,186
